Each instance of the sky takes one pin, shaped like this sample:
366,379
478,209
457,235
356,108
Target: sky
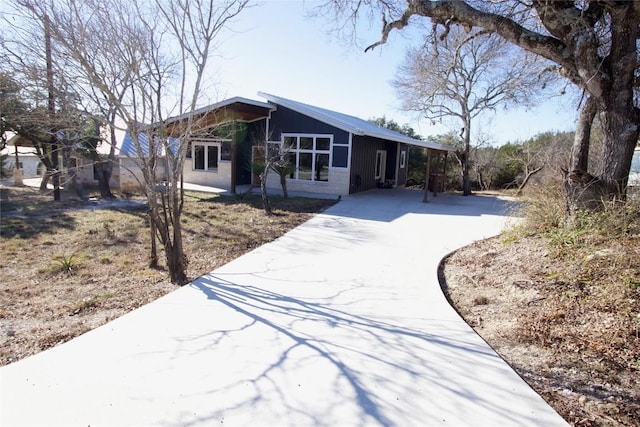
277,48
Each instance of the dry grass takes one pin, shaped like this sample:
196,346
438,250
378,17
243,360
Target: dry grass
563,306
68,269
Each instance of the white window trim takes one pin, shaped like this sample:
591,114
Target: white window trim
296,150
381,159
205,144
403,159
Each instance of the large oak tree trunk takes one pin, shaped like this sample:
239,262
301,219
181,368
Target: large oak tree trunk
620,129
582,138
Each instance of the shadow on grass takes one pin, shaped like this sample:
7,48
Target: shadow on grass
28,226
278,203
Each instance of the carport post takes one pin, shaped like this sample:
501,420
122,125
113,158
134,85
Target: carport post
444,170
425,198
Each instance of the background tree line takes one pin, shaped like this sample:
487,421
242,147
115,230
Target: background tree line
512,165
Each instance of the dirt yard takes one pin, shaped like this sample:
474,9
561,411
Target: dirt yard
566,318
69,266
567,321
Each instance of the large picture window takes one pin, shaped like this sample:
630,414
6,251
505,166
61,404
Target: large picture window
310,156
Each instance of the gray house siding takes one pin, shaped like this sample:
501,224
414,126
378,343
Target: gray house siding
363,162
359,162
284,120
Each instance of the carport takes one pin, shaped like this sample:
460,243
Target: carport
435,178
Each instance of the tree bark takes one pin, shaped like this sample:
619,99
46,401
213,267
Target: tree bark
104,170
466,180
283,184
527,176
176,259
153,255
263,191
582,138
620,129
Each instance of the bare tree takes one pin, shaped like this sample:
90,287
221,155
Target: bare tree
592,43
272,156
27,58
463,76
160,50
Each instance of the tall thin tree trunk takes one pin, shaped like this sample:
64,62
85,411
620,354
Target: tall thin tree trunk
176,260
263,191
51,106
581,141
283,183
153,256
466,180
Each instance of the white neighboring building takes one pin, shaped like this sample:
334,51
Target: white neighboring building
27,159
634,175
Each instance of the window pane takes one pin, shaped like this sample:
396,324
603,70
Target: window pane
291,142
323,144
225,151
306,143
198,157
305,166
322,167
212,157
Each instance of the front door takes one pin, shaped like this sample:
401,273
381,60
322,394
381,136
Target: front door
381,164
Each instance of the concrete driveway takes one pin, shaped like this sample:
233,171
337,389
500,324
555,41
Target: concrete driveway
340,322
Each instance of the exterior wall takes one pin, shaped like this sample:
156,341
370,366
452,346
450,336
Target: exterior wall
85,174
29,164
27,158
338,184
220,178
129,171
284,120
403,172
363,162
287,121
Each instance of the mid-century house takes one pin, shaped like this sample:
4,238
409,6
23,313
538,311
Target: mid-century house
332,153
336,153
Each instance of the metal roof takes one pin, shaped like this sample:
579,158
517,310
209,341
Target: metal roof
351,124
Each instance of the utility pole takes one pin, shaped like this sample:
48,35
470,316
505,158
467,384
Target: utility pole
55,157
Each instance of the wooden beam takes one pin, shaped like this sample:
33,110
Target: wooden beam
234,157
425,198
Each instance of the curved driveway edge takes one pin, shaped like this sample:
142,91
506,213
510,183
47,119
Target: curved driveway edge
340,322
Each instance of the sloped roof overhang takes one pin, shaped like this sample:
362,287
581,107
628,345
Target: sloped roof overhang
352,124
232,109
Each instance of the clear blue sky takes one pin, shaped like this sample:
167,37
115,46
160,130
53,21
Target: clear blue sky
277,49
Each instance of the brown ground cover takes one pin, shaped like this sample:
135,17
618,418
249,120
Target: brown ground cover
562,309
565,315
68,267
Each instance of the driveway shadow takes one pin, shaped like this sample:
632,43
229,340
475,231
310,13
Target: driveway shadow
381,365
387,205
